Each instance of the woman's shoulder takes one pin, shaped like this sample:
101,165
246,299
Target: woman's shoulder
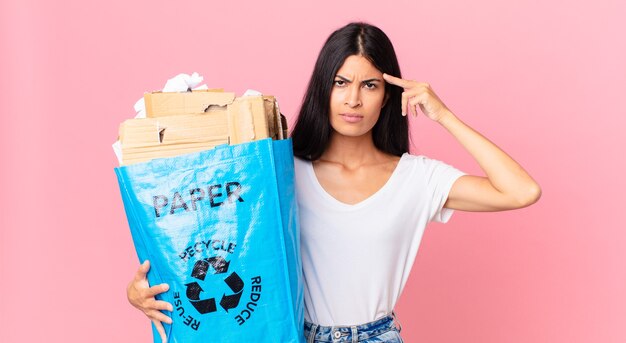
423,164
300,162
408,158
423,159
301,167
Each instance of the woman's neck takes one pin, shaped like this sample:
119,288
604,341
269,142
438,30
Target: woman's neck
352,151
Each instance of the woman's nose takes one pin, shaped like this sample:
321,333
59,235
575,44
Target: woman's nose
353,97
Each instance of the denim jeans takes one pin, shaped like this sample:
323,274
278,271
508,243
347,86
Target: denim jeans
381,330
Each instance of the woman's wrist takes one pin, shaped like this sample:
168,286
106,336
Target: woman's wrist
446,118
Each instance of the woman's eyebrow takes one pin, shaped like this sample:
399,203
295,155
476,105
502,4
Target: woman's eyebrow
364,81
343,78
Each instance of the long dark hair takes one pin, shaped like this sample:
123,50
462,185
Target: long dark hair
311,133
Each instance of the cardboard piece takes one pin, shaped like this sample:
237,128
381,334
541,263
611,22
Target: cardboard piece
159,104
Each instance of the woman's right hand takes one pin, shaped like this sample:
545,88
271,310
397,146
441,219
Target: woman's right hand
141,295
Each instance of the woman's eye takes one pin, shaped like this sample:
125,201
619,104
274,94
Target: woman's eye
340,83
370,85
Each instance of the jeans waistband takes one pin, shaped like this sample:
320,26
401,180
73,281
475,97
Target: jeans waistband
352,333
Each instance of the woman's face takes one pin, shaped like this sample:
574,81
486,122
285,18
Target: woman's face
357,97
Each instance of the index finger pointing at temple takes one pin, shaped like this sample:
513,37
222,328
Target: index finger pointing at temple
396,81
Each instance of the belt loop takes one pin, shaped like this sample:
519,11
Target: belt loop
355,335
395,319
311,338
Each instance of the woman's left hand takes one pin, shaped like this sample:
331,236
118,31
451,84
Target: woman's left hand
419,93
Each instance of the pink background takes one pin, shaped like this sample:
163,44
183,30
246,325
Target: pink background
544,80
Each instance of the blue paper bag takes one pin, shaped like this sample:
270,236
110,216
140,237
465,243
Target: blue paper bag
221,228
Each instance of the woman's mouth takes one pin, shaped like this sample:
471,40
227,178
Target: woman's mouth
351,117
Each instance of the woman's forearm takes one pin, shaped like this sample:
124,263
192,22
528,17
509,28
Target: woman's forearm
503,172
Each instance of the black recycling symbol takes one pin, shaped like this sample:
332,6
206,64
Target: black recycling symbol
220,266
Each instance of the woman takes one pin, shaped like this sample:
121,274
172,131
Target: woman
364,201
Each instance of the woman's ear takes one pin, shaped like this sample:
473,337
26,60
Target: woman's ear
385,101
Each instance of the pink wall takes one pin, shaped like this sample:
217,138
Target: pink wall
544,80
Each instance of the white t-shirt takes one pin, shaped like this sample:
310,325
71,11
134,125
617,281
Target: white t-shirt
356,259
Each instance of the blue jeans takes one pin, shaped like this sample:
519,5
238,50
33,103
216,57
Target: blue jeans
381,330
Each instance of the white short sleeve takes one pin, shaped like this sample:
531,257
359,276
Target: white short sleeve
441,177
